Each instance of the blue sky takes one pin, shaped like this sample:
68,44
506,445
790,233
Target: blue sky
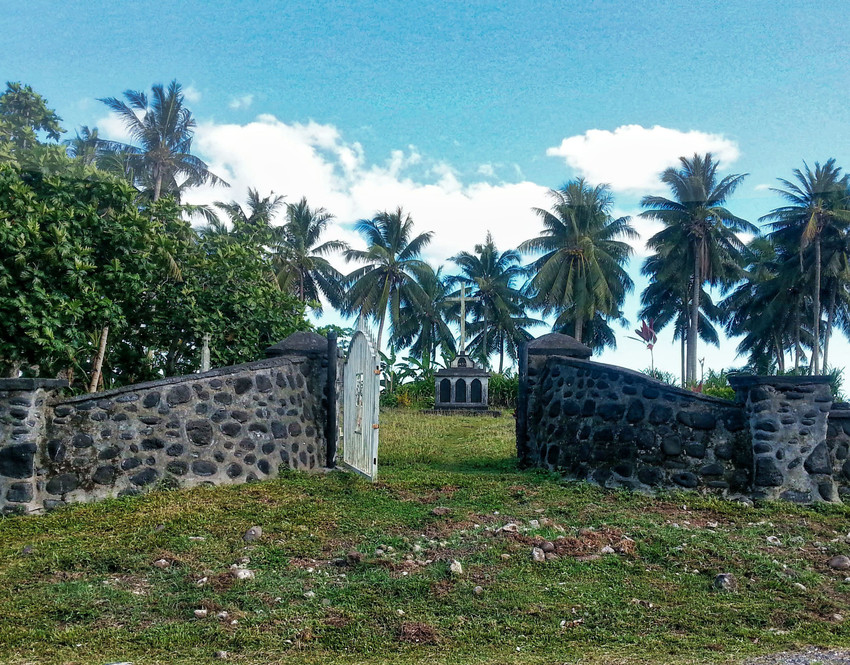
460,111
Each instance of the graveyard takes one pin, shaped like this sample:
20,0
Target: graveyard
436,561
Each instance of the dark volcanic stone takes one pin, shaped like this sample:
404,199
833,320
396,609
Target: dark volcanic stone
234,470
660,414
231,428
651,393
294,429
588,407
278,430
724,451
259,427
129,397
104,475
242,385
571,407
109,453
761,448
611,411
82,441
174,450
264,466
130,463
268,448
650,475
796,497
735,421
200,432
56,450
150,420
177,468
714,469
818,461
203,468
178,395
695,449
218,456
247,444
766,426
827,491
223,398
240,416
672,445
16,461
697,419
264,385
685,479
145,477
767,473
153,444
151,399
63,410
19,493
635,412
66,482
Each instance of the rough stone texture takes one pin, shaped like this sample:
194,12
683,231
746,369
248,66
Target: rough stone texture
788,428
229,425
23,415
619,428
781,439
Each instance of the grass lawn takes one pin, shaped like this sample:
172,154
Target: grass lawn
80,586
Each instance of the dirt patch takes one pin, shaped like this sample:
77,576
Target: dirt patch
442,588
336,620
416,632
586,543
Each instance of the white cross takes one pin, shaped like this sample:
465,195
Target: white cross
462,301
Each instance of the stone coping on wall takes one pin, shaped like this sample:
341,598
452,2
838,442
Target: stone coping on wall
664,387
462,371
32,384
171,380
749,380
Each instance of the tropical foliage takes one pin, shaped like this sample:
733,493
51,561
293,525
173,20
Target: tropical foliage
97,250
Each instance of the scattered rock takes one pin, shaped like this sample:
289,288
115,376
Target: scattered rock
400,612
538,555
548,547
799,586
455,568
836,617
310,595
441,511
506,557
607,550
379,552
222,616
197,539
201,614
202,581
162,563
725,582
839,562
773,540
550,556
242,573
534,524
27,550
353,557
508,528
222,655
252,534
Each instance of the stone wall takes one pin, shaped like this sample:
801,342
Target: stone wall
229,425
620,428
782,438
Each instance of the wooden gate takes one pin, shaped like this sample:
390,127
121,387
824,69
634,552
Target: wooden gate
361,392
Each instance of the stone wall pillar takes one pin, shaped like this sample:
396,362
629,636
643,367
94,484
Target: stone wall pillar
23,411
788,425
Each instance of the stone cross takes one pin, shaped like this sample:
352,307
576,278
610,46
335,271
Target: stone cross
205,353
462,300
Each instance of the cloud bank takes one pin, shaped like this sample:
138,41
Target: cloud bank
630,158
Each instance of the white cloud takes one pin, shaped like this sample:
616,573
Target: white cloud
242,102
762,188
315,161
192,94
631,157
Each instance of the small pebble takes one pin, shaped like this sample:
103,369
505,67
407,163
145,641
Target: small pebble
839,562
799,586
310,594
478,590
201,614
222,616
162,563
538,555
252,534
222,655
456,568
243,574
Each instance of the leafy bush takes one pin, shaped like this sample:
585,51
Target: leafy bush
665,377
503,390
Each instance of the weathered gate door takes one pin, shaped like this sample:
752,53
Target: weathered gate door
361,392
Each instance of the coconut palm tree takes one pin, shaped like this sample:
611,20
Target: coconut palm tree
696,218
162,128
386,281
498,307
423,318
301,260
86,146
580,275
817,212
254,220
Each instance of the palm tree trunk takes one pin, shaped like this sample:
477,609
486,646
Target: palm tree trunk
830,319
693,323
157,186
301,285
98,360
815,365
579,327
780,354
501,352
797,349
682,357
381,328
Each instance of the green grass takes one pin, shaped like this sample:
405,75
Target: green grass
89,593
